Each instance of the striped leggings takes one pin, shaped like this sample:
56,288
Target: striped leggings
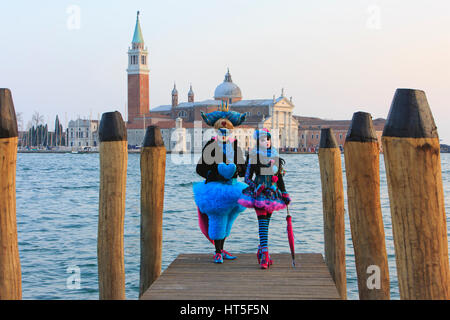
263,224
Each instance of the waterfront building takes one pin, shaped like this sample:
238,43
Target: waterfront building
190,137
309,131
275,114
82,133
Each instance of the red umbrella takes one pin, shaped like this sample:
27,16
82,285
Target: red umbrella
290,233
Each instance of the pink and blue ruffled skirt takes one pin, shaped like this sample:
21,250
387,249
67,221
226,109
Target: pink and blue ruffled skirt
269,199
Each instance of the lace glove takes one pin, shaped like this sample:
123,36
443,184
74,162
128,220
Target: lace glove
260,189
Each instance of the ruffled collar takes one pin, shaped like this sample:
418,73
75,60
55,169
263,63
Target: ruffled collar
270,153
229,140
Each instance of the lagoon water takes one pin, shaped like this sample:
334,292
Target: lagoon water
57,216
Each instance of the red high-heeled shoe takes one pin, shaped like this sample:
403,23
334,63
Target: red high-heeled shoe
265,261
258,256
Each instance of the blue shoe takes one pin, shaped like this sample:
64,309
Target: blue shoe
227,256
218,258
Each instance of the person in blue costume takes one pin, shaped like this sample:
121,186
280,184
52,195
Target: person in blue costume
222,161
266,191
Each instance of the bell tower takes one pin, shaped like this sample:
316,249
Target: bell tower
191,94
138,73
174,96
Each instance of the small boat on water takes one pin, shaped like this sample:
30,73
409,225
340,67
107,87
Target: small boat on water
84,150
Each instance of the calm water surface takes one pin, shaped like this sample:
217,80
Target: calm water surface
57,216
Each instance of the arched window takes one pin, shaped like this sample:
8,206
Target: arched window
182,114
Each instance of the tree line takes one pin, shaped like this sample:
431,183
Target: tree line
38,136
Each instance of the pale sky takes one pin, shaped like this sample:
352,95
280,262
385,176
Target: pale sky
333,57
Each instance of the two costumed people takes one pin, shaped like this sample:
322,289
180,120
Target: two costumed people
221,198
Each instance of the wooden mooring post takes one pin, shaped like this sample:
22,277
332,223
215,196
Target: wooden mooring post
413,169
333,209
362,168
113,173
10,273
153,166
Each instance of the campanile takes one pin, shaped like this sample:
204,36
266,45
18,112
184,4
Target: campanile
138,72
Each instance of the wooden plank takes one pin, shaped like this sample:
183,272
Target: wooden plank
196,277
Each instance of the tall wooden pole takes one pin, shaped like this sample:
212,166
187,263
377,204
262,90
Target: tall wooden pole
10,274
113,173
153,166
413,168
333,208
362,167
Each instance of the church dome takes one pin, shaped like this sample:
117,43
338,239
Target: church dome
227,90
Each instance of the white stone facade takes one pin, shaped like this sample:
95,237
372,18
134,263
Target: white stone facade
82,133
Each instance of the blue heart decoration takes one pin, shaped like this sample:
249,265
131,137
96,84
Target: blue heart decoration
226,170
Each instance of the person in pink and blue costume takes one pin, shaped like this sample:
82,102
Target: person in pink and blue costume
222,161
266,191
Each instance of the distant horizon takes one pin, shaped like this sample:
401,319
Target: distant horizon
333,59
95,119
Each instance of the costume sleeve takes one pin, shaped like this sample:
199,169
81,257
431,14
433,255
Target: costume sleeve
249,173
280,182
207,171
239,160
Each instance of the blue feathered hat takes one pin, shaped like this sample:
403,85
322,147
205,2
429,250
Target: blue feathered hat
234,117
261,133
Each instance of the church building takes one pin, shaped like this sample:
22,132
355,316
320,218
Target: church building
275,114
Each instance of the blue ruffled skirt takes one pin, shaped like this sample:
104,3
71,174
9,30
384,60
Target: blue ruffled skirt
219,201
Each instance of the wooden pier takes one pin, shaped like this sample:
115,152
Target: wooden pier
414,180
196,277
